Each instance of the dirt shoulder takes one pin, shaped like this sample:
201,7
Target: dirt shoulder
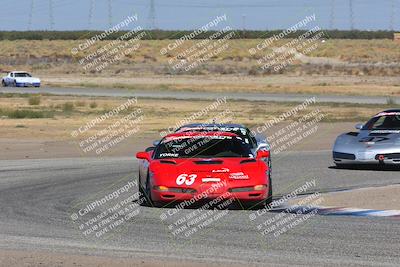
290,84
44,126
17,258
379,198
26,146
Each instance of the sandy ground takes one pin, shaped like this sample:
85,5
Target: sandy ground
47,148
17,258
311,84
27,145
278,79
53,137
379,198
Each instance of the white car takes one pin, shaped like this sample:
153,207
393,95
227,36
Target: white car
20,79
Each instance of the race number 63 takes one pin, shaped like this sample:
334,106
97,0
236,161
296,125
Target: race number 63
187,179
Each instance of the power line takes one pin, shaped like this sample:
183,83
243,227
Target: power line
219,5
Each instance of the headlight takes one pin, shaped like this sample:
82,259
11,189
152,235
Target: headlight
248,189
260,187
162,188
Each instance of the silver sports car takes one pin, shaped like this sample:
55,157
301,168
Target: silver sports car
377,142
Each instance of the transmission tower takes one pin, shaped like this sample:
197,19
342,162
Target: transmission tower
392,15
152,15
332,18
30,15
91,9
51,15
110,15
244,23
351,14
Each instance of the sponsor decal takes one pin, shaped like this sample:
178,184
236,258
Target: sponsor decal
167,155
385,131
173,138
221,170
238,176
211,180
387,114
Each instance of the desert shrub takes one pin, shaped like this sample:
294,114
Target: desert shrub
34,100
93,104
80,103
68,106
25,114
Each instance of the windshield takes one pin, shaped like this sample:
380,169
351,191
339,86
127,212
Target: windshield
385,122
22,74
203,147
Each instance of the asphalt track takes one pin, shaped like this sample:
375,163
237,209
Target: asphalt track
38,196
199,95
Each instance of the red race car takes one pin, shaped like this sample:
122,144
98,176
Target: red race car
193,166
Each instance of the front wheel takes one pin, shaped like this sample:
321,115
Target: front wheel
268,201
3,83
14,84
145,193
141,190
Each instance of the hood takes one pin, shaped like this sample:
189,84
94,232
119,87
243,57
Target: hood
200,173
27,80
379,137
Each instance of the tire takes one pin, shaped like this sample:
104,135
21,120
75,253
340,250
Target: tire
147,195
14,84
3,83
141,191
269,168
268,201
145,192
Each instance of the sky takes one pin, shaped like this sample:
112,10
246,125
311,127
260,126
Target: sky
192,14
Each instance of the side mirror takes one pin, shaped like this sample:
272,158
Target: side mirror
143,155
359,126
263,146
151,148
156,142
263,154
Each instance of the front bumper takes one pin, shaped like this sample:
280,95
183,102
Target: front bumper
248,196
27,84
367,157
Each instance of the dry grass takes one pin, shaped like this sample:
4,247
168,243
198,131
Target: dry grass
383,50
157,118
46,56
369,51
233,70
333,85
